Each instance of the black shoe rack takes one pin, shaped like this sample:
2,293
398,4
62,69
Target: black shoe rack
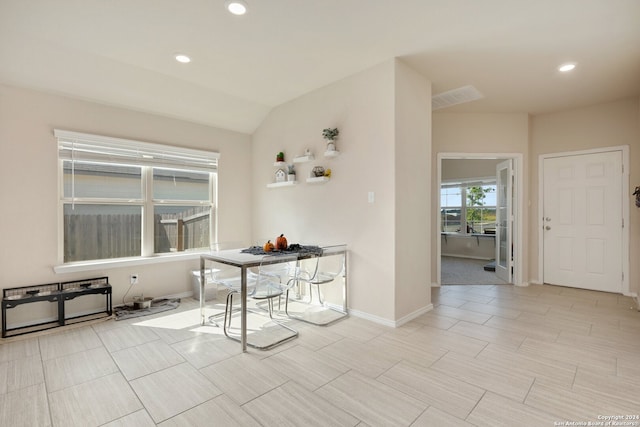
58,293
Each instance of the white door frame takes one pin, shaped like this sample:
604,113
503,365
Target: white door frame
518,165
625,207
504,272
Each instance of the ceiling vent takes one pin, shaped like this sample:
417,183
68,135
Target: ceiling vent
454,97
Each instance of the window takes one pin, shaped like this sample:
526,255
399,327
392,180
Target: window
468,208
451,205
102,211
181,221
123,199
481,209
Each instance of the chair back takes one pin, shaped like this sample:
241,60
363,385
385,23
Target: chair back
327,266
222,273
275,272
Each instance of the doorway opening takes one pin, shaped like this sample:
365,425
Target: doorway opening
479,218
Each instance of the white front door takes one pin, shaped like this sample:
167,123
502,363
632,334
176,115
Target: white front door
504,220
582,221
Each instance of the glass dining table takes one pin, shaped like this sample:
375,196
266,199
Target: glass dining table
244,260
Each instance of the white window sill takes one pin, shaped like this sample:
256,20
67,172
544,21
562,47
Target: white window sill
124,262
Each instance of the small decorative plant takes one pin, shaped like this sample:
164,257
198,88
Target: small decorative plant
330,134
280,157
292,171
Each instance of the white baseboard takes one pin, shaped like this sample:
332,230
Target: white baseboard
524,284
391,323
633,295
188,294
409,317
372,318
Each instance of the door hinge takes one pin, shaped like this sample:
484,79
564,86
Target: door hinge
622,222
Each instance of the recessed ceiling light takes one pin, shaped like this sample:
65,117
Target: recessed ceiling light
237,7
182,58
566,67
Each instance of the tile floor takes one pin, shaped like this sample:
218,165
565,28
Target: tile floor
491,355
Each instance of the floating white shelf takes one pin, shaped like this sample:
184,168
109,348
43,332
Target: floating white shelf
279,164
318,180
334,153
303,159
281,184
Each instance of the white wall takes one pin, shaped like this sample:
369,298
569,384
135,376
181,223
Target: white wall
374,112
603,125
383,116
29,193
363,108
456,170
479,133
413,185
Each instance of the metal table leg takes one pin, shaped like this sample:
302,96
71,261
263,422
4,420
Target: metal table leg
202,282
243,319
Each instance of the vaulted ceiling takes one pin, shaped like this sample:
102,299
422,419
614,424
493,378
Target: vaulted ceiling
121,52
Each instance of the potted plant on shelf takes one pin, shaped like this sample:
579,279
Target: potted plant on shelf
330,134
280,157
291,175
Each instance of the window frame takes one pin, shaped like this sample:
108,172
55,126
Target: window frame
204,161
463,202
152,202
463,185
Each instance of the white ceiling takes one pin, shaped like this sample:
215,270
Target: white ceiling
120,52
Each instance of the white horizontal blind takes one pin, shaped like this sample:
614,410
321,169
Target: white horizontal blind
95,148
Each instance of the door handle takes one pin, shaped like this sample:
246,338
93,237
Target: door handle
547,219
547,228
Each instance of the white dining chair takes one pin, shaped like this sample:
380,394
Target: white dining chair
316,272
270,280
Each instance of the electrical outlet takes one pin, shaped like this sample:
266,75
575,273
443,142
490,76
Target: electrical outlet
134,279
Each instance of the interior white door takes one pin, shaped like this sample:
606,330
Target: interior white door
582,221
504,220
